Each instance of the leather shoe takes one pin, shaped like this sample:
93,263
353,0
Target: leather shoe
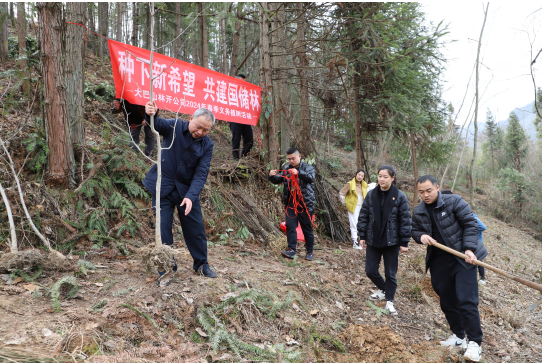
206,271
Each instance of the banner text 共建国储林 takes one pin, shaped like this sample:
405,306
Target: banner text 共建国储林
180,86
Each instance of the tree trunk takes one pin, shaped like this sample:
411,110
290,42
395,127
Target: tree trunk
280,62
119,21
204,48
103,21
21,34
4,15
147,27
134,38
178,42
235,42
92,29
57,121
12,14
475,129
263,122
306,146
223,36
75,69
415,169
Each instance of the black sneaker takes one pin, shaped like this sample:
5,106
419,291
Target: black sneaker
309,256
206,271
290,253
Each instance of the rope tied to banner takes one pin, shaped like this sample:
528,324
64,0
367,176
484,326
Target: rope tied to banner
295,194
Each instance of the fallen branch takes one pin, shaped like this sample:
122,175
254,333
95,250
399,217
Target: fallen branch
92,174
41,236
13,246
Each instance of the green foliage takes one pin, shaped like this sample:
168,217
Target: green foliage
378,311
316,338
99,306
19,273
515,142
494,139
513,183
348,148
288,263
211,319
37,143
103,92
537,107
32,55
84,266
111,191
68,281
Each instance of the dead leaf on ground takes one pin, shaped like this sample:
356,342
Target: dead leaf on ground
201,332
31,287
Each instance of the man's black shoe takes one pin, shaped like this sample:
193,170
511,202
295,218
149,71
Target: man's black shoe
290,253
206,271
309,256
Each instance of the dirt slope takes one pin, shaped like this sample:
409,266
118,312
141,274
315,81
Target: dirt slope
331,319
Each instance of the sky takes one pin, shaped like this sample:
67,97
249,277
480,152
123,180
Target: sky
505,82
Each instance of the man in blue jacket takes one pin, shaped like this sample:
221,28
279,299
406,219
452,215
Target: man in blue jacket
185,164
447,219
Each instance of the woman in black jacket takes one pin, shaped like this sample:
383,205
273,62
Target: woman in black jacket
384,228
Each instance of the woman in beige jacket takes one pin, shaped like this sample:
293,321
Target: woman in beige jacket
352,196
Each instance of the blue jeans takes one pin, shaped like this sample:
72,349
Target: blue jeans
191,224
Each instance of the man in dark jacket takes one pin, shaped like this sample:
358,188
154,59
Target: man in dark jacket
134,115
298,183
448,219
185,165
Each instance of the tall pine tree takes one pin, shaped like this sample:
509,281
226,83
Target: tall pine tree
493,138
515,142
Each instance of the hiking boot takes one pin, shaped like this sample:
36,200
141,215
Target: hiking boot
290,253
454,341
482,282
390,307
309,256
357,246
473,353
378,295
206,271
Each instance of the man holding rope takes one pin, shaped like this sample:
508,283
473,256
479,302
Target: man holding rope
448,220
298,180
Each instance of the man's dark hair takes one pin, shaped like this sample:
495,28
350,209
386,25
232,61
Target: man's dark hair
390,170
292,150
241,75
425,178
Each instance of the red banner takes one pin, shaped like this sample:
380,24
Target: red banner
180,86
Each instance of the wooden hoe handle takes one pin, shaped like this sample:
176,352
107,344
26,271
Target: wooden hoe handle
531,284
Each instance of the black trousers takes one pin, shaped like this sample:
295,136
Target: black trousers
149,138
240,131
292,219
481,272
390,258
191,224
458,292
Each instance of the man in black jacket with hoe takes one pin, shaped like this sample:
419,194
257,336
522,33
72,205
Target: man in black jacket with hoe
448,219
299,197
